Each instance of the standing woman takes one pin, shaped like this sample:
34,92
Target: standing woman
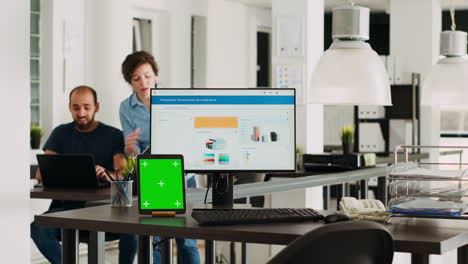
140,70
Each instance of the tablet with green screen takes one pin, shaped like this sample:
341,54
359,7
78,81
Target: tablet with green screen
161,183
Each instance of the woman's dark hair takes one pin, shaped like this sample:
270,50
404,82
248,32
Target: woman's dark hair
136,59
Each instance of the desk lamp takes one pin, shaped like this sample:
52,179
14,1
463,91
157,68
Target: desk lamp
350,72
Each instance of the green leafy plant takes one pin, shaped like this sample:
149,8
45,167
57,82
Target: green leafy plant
347,134
130,170
298,150
36,134
299,163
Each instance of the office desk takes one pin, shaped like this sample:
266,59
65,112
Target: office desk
97,194
240,191
78,194
420,237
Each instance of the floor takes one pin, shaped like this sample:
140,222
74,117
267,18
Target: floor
111,254
111,257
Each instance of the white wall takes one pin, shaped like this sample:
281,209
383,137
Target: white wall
227,44
14,105
229,32
94,49
335,117
415,44
180,19
108,39
171,38
199,51
414,41
309,118
62,58
258,19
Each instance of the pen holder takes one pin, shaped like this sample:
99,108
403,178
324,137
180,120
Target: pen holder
121,193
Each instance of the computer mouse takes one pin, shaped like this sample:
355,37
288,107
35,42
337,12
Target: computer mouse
332,218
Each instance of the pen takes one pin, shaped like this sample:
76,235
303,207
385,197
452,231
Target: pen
108,175
121,190
116,171
126,177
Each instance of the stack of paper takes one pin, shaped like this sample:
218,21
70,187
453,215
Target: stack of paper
430,174
429,206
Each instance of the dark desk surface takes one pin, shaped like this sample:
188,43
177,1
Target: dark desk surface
420,236
196,195
79,194
390,159
328,170
95,194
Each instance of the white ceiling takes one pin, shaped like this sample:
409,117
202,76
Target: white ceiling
374,5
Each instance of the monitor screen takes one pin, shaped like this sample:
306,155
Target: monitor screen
225,129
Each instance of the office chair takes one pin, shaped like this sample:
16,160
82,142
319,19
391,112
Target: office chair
351,242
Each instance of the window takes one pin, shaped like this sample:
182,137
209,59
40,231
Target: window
142,35
34,57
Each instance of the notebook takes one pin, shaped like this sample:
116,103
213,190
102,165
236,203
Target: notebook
69,171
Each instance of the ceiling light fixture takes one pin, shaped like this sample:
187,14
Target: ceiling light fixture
447,83
350,72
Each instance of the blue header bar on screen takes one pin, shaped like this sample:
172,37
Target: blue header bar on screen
220,100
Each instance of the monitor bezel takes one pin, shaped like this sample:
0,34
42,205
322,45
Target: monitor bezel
184,183
229,170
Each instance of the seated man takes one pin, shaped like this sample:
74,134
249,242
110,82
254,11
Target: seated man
83,135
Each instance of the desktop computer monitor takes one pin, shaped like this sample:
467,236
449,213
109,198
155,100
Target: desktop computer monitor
225,130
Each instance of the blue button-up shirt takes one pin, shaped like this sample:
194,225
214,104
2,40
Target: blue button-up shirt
133,115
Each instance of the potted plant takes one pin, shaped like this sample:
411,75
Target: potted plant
298,158
35,136
347,139
129,173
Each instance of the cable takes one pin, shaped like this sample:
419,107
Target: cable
207,189
227,183
452,15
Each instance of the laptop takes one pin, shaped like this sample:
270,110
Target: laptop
69,171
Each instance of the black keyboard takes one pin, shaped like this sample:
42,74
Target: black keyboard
254,216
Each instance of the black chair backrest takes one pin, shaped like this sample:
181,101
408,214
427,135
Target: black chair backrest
350,242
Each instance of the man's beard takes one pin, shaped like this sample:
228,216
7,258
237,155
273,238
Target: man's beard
84,126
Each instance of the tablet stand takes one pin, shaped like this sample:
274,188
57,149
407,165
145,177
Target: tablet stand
222,191
163,213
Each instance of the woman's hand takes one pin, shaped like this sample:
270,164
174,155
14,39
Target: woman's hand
131,141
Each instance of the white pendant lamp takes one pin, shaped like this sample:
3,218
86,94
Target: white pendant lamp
447,83
350,72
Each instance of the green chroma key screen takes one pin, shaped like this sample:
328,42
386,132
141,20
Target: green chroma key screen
161,184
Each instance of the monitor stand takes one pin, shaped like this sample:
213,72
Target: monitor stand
222,190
